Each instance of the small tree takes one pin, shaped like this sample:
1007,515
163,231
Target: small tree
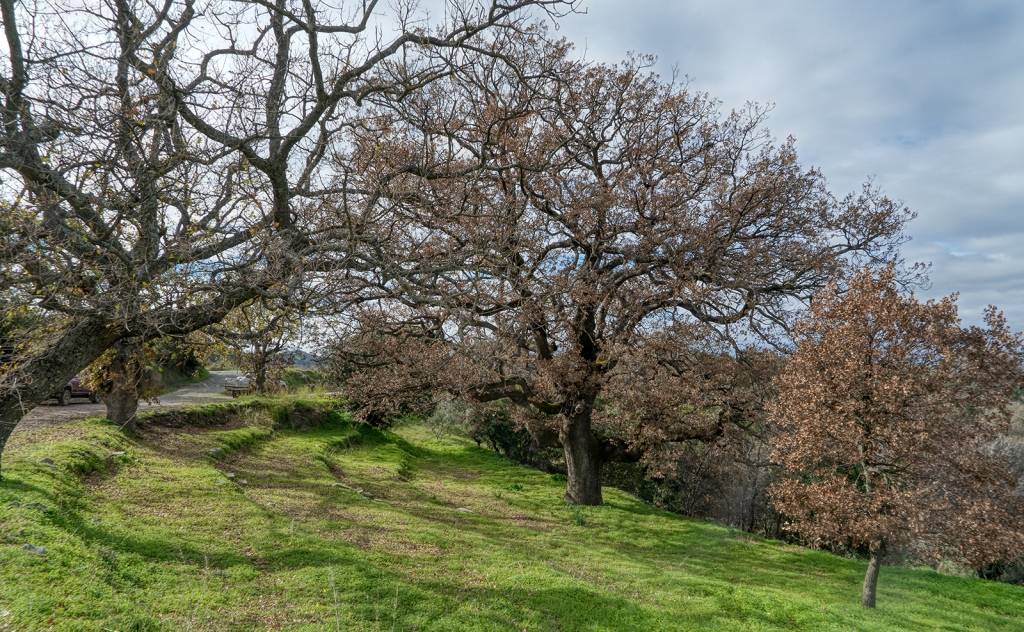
258,336
132,370
884,413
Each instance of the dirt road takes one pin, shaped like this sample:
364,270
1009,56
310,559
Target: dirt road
209,390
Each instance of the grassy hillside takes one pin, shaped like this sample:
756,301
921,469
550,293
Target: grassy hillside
273,517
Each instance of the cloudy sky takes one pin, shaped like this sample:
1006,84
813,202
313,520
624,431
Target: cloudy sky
924,96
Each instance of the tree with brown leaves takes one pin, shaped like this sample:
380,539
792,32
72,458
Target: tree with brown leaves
884,414
616,213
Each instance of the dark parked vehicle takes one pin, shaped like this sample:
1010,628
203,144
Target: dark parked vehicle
75,388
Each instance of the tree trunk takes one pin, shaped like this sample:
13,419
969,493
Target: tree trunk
260,377
45,374
867,595
582,459
122,394
122,404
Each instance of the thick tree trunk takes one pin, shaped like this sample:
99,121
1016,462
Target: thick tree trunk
867,595
582,459
122,395
122,404
45,374
260,377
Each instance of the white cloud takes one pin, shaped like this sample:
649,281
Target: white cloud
924,97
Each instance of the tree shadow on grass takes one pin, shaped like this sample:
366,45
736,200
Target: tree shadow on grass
11,488
554,608
704,560
706,550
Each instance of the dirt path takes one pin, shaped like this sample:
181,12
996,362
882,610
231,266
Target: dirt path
209,390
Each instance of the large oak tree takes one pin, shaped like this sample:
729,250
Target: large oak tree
162,163
616,211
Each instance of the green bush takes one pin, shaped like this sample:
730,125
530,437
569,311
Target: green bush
295,378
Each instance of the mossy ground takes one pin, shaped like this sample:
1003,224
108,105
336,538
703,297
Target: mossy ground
262,521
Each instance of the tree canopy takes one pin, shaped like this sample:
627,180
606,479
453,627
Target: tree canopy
885,414
165,163
613,211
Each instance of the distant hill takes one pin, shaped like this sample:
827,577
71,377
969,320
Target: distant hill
303,359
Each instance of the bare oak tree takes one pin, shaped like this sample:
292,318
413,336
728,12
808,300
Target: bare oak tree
884,413
163,163
111,202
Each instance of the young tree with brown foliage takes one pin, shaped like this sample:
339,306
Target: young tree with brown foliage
616,213
884,413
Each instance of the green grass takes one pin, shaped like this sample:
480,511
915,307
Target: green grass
295,378
285,515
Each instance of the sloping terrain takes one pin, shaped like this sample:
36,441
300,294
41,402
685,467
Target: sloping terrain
286,515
